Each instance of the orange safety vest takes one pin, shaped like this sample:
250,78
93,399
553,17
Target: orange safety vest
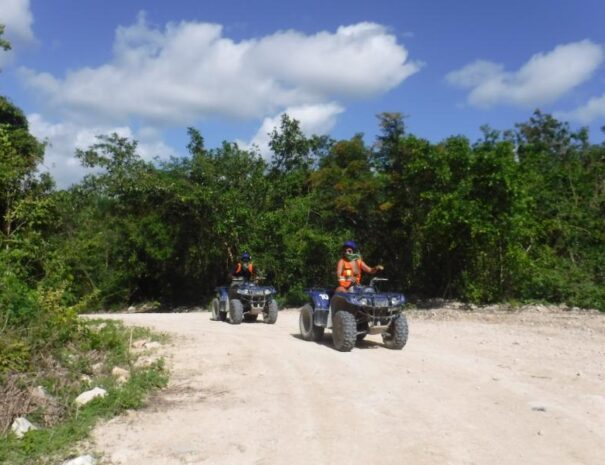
238,269
349,270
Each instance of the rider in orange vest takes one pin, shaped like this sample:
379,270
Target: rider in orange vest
245,268
350,267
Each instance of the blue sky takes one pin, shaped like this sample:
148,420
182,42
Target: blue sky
149,69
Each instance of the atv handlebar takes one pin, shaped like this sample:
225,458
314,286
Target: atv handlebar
375,280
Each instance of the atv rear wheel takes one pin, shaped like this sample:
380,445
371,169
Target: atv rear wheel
270,316
344,331
308,330
397,335
236,311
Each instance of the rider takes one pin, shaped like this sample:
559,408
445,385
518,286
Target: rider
351,266
244,268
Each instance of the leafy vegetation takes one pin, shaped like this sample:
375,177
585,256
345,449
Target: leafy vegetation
64,372
42,340
517,215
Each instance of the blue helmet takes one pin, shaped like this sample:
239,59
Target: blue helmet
246,257
349,245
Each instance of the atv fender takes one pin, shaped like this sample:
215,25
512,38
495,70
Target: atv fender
321,306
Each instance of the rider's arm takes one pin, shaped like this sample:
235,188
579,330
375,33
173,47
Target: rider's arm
234,271
369,269
339,268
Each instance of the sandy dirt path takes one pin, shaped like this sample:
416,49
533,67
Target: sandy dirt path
478,388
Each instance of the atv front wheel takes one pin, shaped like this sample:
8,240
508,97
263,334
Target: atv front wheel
236,311
270,316
217,315
397,335
308,330
344,331
362,332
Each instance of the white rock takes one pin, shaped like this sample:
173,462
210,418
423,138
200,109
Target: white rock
87,396
39,393
20,426
82,460
97,368
153,345
143,362
140,343
131,309
117,371
120,374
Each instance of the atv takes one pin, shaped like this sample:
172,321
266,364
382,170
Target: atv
244,301
354,314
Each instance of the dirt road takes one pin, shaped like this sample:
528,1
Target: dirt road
479,388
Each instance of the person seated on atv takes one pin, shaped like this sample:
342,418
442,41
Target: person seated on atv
244,268
350,267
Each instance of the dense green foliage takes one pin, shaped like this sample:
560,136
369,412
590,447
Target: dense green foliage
42,340
518,215
515,216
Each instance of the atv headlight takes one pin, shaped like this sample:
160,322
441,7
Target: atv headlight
363,301
395,301
243,291
267,291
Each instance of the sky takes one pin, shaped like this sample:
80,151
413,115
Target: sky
148,69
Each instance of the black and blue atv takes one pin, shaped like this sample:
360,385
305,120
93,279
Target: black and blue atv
354,314
244,301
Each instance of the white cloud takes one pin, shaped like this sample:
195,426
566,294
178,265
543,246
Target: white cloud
16,15
587,113
543,79
64,138
190,70
17,18
314,119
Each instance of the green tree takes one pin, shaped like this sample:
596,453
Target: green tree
291,149
4,44
392,129
564,177
24,204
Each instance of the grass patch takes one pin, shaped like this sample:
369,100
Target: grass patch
84,363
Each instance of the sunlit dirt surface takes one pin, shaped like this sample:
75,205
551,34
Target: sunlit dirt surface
481,387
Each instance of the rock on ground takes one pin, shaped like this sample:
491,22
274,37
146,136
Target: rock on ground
87,396
21,426
82,460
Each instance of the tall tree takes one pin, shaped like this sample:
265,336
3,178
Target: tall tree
20,154
4,44
392,130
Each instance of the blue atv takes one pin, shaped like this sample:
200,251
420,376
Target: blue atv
354,314
244,301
